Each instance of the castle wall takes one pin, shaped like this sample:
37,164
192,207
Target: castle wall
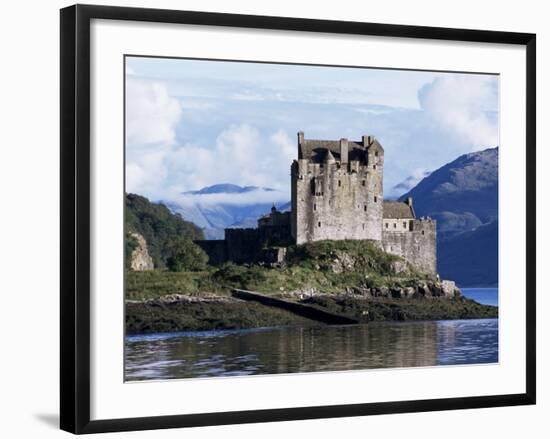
243,245
215,249
417,245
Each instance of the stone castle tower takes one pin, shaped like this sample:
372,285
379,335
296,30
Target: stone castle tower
337,190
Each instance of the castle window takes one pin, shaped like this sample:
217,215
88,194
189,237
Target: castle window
405,225
315,207
363,226
319,224
376,153
395,225
422,231
365,207
373,166
387,225
339,183
375,199
363,183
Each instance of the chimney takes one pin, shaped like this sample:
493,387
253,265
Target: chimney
367,141
300,141
343,151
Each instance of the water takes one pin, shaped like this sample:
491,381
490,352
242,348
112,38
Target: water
486,296
311,349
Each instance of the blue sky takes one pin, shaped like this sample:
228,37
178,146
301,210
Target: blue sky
192,123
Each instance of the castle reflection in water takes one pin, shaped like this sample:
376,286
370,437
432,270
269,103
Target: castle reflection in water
311,349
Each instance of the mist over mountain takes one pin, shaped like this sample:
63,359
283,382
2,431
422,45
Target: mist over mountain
463,197
221,206
410,182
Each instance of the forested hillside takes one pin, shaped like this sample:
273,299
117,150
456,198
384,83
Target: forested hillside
158,225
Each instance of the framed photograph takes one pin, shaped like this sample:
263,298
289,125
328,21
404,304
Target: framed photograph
268,219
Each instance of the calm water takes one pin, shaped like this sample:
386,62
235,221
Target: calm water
311,349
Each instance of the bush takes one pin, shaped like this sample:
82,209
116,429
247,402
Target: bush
185,255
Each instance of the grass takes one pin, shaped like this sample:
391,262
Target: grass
151,284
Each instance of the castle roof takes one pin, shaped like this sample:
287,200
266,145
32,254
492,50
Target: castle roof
315,150
398,209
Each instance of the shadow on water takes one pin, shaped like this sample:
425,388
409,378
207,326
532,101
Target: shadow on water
311,349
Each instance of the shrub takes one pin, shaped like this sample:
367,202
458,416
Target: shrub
185,255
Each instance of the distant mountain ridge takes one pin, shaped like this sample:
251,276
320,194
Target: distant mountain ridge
227,188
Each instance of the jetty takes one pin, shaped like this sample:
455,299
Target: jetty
301,309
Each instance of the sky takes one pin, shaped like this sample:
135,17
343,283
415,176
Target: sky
196,123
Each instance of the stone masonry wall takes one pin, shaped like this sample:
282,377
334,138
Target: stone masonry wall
418,245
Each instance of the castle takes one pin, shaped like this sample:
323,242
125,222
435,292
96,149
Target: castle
336,194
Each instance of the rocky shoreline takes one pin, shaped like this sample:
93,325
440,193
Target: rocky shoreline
439,300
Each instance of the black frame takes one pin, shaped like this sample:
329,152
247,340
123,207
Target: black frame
75,217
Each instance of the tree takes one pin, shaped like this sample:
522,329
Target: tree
185,255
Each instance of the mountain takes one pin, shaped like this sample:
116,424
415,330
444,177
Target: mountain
227,188
463,197
221,206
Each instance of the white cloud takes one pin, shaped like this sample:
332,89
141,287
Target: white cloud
461,104
161,168
151,113
242,155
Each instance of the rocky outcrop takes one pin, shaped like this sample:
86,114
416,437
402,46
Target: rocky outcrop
445,289
140,260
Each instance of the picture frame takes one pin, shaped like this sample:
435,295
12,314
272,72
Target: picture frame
77,210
